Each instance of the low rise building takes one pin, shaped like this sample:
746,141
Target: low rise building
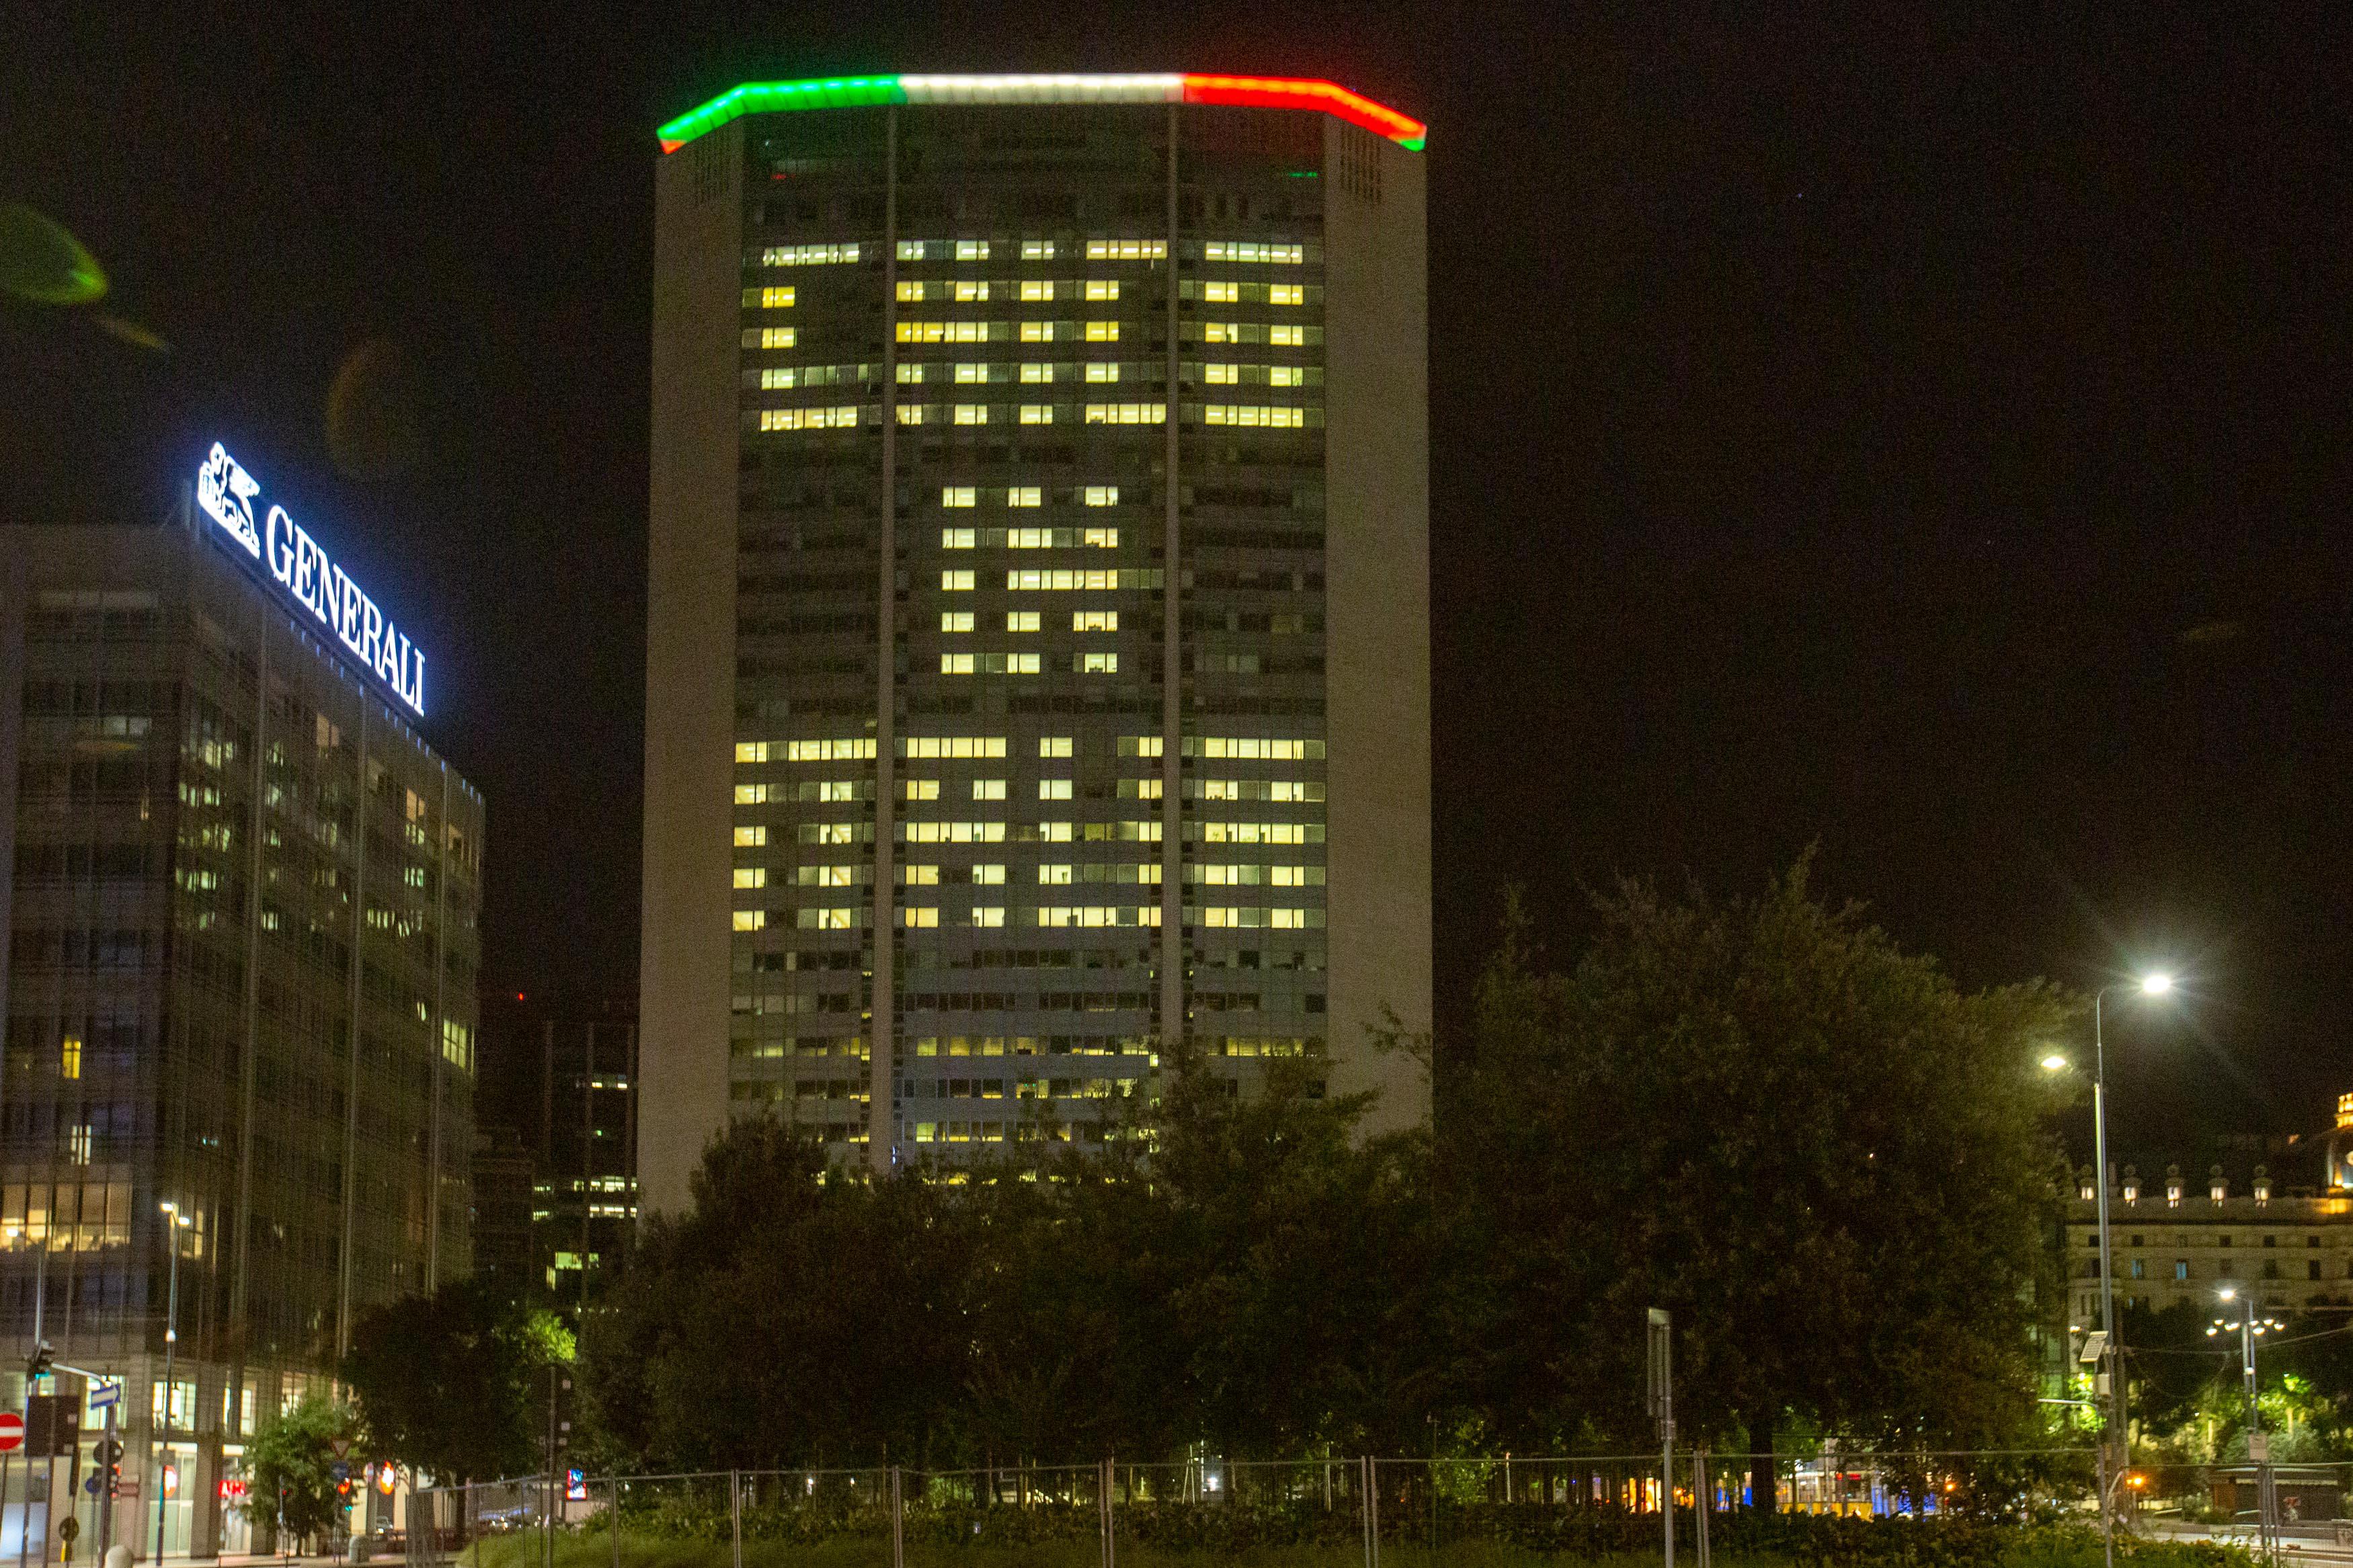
2279,1228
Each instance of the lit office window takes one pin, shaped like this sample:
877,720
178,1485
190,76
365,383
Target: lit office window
807,255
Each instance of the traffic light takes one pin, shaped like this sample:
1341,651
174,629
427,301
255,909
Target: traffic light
110,1459
38,1365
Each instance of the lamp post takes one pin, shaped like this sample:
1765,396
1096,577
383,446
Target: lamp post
2251,1328
174,1223
2153,985
41,1348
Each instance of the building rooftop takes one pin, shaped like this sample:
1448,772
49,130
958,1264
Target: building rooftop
854,92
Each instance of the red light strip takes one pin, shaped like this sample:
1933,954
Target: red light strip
1295,92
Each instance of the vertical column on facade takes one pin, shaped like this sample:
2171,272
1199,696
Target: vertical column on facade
255,829
352,1084
881,1119
1172,677
437,1068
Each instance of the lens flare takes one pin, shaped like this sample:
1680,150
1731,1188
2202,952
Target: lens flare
375,422
134,335
41,262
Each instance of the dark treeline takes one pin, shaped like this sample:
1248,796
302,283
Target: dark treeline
1831,1165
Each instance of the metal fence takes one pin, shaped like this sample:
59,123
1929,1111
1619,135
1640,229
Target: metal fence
1407,1513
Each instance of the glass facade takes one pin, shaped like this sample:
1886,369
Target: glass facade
240,955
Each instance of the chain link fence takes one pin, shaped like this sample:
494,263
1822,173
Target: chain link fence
1338,1512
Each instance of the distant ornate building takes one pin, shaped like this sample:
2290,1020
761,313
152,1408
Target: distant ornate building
2285,1236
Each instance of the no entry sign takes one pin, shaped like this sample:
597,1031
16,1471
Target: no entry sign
12,1431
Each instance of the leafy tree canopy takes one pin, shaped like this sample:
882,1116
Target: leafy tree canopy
291,1462
445,1384
1824,1159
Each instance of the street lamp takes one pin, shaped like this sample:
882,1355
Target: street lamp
2250,1329
2158,983
175,1222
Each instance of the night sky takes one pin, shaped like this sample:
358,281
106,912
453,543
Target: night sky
1923,439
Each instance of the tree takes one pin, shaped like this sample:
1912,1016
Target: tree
444,1384
795,1316
1824,1159
291,1461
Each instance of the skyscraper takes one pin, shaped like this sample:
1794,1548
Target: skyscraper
238,903
1037,668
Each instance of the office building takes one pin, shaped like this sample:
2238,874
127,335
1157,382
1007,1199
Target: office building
504,1174
1037,666
239,896
565,1076
585,1197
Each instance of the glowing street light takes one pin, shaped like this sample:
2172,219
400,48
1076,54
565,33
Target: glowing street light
2055,1062
2156,982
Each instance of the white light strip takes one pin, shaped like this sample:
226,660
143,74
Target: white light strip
1070,89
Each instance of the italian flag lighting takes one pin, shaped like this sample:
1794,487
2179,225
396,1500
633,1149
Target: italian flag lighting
853,92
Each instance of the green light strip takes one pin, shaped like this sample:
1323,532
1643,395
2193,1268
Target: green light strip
770,97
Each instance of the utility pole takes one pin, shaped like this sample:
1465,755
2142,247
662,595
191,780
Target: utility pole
1662,1409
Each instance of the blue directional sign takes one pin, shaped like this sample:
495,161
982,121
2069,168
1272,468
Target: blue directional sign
343,1470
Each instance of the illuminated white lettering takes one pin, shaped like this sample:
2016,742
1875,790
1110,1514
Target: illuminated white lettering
301,567
281,546
305,583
